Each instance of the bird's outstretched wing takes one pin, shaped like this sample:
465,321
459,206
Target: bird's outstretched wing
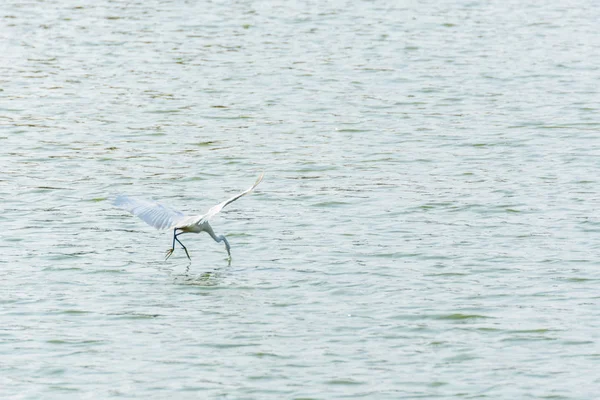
216,209
153,214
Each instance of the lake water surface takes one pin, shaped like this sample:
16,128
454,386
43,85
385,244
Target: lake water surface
427,226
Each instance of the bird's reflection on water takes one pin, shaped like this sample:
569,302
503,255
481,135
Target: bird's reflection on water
205,278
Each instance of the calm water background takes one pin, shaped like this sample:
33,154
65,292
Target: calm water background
427,228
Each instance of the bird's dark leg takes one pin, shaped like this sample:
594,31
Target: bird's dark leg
172,249
186,252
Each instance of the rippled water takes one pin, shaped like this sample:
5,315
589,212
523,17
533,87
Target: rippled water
427,226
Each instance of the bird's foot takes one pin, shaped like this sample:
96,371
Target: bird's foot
168,254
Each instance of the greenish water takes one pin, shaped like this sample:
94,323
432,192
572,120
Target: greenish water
427,226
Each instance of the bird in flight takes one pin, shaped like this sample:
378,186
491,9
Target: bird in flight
162,217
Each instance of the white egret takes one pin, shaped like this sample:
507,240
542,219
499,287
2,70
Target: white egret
162,217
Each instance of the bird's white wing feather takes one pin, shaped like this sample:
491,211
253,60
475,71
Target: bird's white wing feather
152,213
216,209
